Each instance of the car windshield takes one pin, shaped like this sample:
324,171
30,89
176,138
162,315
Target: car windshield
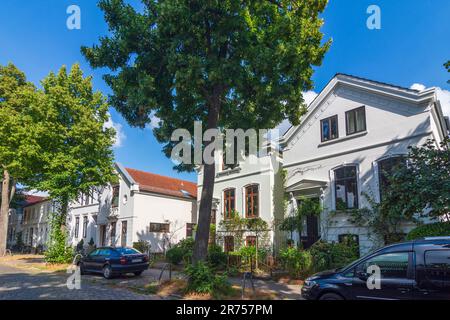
127,251
354,263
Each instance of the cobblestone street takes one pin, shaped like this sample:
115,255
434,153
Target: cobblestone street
19,284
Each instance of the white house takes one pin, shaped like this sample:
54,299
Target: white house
141,206
252,189
353,128
35,221
352,134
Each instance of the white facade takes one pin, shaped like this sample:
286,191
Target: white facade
264,172
394,118
139,210
35,224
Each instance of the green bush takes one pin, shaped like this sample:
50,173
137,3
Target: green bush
216,257
202,279
58,251
142,246
438,229
248,254
175,255
332,255
297,262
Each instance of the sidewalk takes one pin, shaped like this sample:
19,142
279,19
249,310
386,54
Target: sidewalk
36,264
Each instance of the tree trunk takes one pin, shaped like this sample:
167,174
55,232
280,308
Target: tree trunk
209,172
4,212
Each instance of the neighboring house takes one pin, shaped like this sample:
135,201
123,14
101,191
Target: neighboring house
141,206
251,189
353,134
35,226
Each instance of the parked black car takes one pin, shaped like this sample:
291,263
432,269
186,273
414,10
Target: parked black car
111,261
416,270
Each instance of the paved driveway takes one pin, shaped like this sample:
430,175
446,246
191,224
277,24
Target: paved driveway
19,284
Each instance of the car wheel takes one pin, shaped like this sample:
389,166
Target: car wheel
107,272
331,296
138,273
81,266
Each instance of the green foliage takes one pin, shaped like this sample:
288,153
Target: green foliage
438,229
297,262
229,64
216,258
333,255
76,147
383,219
248,254
19,102
58,251
419,189
175,255
253,57
142,246
202,279
425,182
306,207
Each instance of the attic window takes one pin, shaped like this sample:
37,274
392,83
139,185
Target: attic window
329,128
355,120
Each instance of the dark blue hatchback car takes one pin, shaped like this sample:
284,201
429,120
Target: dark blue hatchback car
111,261
416,270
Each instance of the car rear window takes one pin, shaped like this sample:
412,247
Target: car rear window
127,251
437,266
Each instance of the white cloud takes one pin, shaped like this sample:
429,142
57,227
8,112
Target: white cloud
154,122
120,134
442,94
418,86
308,96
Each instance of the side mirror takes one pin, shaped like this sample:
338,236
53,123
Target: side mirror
362,275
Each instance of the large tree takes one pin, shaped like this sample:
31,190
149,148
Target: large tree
227,63
76,147
18,147
52,139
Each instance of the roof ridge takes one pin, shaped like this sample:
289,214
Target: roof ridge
162,176
376,81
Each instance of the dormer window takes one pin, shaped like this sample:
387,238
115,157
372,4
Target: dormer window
355,120
329,128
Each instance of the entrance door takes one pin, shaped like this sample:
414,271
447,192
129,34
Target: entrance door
312,229
311,233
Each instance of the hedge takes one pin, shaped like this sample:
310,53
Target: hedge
438,229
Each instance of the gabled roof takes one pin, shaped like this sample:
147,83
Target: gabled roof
156,183
376,87
31,200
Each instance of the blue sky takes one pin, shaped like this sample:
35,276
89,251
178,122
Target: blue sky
410,48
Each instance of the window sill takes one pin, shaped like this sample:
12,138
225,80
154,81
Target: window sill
349,137
227,172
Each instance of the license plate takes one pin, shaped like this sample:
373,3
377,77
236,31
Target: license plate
136,260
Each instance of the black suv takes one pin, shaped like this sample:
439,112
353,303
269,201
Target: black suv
415,270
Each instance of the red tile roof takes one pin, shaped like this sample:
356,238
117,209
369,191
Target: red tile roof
151,182
30,200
